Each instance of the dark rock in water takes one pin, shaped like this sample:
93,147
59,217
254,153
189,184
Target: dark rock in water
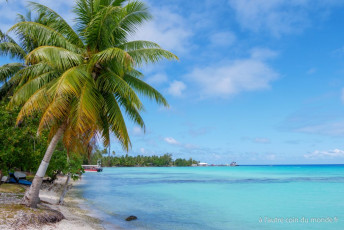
130,218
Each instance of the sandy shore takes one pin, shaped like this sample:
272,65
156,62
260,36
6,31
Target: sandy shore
76,218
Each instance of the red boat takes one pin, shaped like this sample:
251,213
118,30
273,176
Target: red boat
93,168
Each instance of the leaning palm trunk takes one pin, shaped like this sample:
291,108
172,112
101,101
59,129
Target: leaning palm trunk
65,189
31,197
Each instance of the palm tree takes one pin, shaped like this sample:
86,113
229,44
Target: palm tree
11,73
8,47
81,81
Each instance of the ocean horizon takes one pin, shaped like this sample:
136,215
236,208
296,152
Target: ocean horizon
244,197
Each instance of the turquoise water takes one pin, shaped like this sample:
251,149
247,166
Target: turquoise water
243,198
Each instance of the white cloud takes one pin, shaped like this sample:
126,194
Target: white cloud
176,88
274,16
142,150
329,128
137,131
168,29
259,140
171,141
183,146
233,77
222,39
271,157
199,131
262,140
262,53
325,154
157,79
279,16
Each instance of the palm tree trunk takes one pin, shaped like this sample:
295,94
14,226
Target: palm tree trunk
65,189
31,197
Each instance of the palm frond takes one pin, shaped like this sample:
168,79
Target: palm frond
12,49
9,86
87,108
98,35
31,86
118,2
6,38
30,72
135,73
21,18
134,14
55,112
36,103
145,89
71,82
135,45
150,55
104,127
84,11
131,110
110,82
56,22
42,35
57,57
112,54
8,70
116,120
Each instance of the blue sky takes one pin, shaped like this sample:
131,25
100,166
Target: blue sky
258,82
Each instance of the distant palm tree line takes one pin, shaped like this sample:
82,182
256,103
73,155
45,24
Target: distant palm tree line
137,161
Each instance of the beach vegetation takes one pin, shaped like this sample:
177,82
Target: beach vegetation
126,160
21,149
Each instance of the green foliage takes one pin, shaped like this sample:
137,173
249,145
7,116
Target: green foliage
61,163
136,161
21,148
182,162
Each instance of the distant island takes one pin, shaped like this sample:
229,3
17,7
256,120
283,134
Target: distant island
165,160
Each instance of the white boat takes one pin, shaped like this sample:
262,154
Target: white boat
233,164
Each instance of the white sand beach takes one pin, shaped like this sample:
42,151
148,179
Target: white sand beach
76,217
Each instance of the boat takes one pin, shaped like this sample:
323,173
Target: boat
16,177
93,168
233,164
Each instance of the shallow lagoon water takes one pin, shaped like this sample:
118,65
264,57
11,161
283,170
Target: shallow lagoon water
243,198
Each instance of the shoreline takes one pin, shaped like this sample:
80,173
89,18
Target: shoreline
78,215
75,217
